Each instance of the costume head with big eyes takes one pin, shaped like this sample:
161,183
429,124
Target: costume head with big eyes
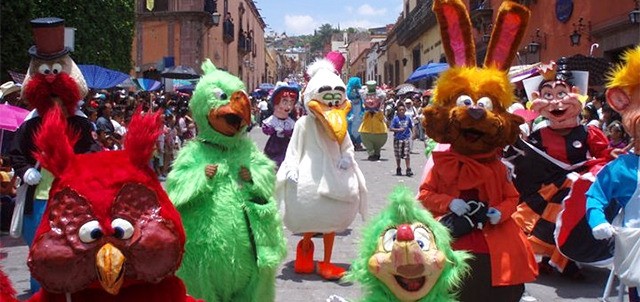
53,77
284,99
108,225
325,96
374,97
556,94
469,102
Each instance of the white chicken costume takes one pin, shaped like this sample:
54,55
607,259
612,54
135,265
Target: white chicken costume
319,180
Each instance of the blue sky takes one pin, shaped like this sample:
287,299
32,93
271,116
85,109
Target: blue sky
301,17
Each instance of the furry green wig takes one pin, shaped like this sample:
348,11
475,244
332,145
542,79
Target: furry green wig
430,272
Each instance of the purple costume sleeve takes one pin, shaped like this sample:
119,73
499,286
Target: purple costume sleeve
268,130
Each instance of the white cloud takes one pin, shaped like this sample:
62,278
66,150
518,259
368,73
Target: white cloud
368,10
360,24
299,24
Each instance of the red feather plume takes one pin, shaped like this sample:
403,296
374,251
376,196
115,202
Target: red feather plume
142,135
54,142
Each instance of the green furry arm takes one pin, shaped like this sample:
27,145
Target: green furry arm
266,226
187,177
262,174
263,215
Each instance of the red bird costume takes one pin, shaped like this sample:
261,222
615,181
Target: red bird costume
109,232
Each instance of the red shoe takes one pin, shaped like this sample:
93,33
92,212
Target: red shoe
304,258
330,271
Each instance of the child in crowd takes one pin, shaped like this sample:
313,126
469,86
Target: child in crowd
401,127
618,138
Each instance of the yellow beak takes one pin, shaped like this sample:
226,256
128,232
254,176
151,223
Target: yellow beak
332,119
110,267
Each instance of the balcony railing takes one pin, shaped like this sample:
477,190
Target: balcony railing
227,31
244,44
417,22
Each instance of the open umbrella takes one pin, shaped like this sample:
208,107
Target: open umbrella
147,84
406,88
266,86
11,117
427,70
180,72
98,77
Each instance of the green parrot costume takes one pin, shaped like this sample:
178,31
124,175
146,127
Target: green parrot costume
222,185
406,255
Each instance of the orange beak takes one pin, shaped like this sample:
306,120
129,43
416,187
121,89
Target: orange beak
332,119
110,267
230,118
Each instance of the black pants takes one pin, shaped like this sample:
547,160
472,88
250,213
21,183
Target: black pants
477,286
6,212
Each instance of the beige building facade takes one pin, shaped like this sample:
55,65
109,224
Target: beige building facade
186,32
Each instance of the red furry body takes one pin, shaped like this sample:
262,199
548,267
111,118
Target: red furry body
106,199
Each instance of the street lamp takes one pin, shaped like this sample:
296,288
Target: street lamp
577,32
534,46
215,18
634,15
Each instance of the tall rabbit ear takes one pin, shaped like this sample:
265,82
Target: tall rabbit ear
507,34
455,29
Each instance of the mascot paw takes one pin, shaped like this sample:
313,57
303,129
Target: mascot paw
210,170
459,206
330,271
603,231
345,163
494,215
292,176
32,176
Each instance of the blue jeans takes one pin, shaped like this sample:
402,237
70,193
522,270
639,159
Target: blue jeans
29,226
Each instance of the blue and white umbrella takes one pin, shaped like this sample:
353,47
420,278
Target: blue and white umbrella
427,70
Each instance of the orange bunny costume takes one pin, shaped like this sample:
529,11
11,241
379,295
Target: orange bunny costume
469,113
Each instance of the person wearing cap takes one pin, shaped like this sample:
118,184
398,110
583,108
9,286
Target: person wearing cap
52,80
373,128
279,126
9,93
564,147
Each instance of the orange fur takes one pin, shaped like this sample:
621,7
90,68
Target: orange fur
449,122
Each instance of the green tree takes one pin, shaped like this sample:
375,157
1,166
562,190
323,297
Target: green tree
16,38
104,29
321,37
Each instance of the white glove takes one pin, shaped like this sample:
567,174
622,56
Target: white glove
345,163
603,231
279,132
459,206
292,176
32,177
494,215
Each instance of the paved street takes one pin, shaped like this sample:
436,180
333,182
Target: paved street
307,288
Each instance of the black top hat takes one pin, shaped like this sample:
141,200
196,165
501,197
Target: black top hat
48,37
